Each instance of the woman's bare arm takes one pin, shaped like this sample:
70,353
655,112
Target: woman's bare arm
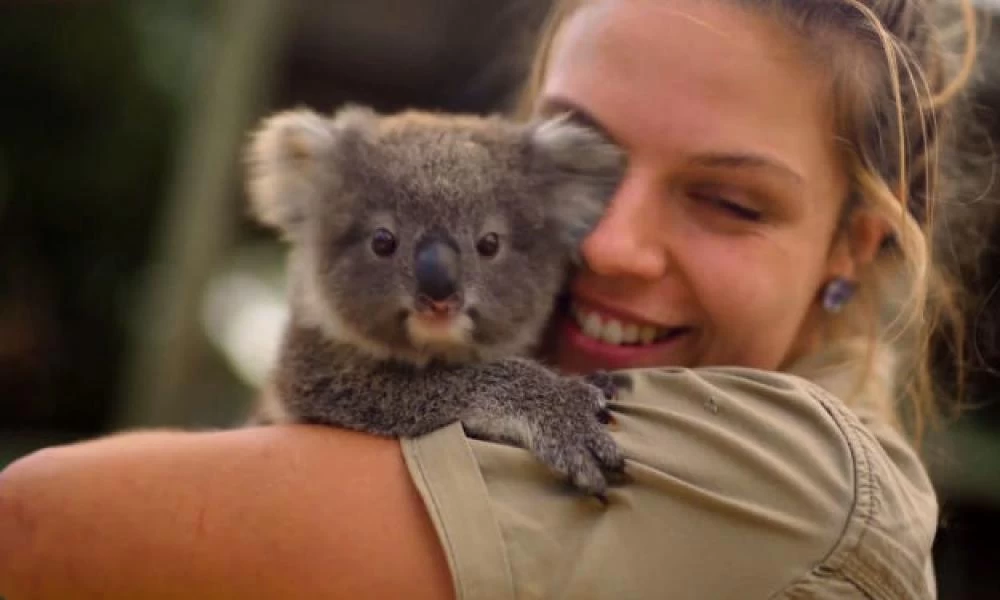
276,512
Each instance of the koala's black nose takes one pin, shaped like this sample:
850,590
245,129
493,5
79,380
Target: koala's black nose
437,268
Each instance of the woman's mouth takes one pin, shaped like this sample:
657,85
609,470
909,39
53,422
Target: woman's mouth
608,329
594,339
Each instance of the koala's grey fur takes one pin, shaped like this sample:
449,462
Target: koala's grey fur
358,352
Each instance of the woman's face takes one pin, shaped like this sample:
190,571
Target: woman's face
717,244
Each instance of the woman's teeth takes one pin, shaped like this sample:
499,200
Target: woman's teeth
613,331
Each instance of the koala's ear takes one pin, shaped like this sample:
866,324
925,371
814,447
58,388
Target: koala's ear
288,159
576,148
587,169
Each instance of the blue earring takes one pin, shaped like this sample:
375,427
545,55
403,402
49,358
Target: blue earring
837,293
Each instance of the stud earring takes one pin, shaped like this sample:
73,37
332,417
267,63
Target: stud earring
837,293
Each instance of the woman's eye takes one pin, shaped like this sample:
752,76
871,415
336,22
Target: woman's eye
740,211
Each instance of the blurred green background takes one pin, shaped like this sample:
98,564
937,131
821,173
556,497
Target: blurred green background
133,289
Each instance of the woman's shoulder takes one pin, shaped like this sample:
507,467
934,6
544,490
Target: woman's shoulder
743,483
820,457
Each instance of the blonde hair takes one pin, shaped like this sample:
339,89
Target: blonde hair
896,84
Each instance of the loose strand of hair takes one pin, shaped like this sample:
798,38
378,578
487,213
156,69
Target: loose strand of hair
969,54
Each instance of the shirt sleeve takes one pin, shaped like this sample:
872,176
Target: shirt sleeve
743,484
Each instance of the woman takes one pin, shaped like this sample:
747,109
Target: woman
782,171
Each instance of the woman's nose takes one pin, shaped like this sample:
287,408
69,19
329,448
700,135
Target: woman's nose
629,240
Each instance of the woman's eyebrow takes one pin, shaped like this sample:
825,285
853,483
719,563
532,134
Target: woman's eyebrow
739,160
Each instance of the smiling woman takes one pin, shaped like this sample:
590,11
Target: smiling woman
734,176
781,174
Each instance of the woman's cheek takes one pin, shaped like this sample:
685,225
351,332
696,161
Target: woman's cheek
748,306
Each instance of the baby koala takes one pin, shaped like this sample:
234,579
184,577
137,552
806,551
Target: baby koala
426,255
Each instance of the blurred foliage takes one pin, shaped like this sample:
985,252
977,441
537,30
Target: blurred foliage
91,100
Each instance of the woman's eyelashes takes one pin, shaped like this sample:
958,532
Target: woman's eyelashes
727,204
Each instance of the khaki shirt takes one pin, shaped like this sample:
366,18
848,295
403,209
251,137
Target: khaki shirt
745,484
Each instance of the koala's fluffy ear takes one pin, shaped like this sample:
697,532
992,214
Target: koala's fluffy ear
588,166
288,158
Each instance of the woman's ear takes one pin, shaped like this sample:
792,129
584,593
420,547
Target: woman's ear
857,245
868,232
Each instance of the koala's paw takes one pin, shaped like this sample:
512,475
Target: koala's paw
574,443
604,381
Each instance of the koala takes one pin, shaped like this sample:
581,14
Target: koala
426,256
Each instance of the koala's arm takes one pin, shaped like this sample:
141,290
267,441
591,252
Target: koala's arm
513,400
494,400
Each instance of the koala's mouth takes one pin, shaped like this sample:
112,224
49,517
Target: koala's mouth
439,329
434,320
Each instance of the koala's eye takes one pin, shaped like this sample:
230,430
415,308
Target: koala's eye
383,242
488,245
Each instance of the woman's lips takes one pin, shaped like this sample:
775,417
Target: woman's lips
591,339
616,328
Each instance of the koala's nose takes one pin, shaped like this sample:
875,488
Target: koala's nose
437,270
